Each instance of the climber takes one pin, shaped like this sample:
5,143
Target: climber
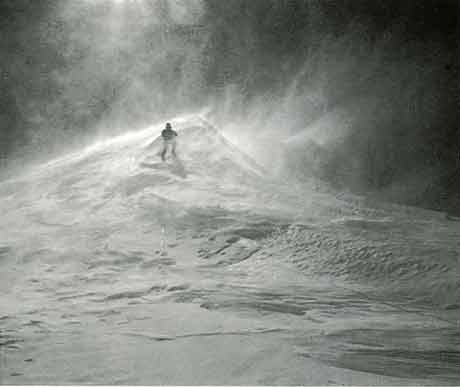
169,140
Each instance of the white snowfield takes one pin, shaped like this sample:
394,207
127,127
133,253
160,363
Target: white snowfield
119,269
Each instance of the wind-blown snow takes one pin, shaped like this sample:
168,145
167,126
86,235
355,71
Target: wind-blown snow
112,259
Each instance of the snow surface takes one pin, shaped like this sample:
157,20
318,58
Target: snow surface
117,268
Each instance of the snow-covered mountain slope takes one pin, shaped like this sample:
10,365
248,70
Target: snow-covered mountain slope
110,258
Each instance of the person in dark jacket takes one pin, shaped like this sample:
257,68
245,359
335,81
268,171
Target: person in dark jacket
169,140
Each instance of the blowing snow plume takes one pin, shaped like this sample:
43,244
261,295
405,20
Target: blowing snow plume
373,86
